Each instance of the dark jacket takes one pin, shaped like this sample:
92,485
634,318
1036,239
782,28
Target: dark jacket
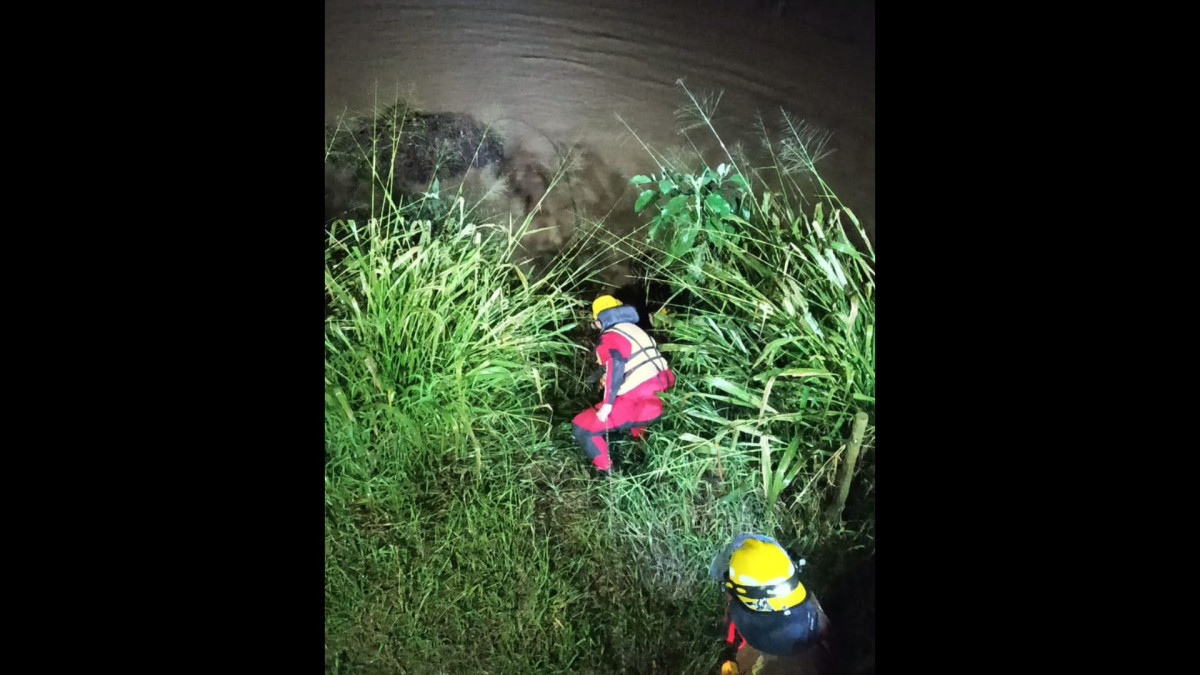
779,633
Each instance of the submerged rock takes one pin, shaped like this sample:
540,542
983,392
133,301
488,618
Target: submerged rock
448,142
419,146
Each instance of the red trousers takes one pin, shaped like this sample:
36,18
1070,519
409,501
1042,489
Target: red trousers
630,412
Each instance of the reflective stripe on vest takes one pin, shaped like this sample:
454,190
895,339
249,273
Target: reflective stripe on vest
644,362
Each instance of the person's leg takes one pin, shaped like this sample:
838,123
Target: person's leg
650,407
647,411
589,431
644,408
632,412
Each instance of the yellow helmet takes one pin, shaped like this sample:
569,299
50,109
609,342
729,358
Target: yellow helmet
602,303
763,577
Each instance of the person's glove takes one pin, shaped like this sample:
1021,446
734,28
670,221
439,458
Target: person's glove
602,413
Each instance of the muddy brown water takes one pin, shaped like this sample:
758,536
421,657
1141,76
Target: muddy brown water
551,74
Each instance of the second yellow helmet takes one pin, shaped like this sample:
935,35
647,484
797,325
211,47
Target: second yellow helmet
763,577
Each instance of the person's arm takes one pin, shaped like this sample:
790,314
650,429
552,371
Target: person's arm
612,353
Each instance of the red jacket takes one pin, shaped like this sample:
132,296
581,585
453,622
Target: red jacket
630,357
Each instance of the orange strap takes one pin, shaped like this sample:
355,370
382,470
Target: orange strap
732,632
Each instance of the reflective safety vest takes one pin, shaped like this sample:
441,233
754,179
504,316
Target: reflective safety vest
644,362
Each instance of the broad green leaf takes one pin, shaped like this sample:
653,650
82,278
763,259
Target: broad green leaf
642,200
640,180
678,248
688,236
717,203
677,203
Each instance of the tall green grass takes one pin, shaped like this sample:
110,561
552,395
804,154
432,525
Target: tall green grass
465,531
777,334
770,323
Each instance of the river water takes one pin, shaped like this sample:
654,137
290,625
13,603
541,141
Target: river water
555,73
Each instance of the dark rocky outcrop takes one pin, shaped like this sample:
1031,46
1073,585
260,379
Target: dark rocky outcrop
420,146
